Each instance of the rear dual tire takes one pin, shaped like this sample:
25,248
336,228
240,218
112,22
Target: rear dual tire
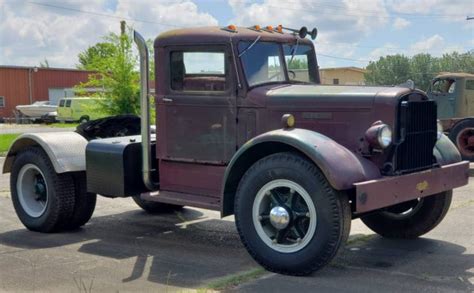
44,200
289,218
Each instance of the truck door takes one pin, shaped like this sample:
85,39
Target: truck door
196,120
444,92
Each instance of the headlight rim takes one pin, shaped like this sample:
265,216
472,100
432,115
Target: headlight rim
380,139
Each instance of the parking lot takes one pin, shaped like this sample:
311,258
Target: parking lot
124,249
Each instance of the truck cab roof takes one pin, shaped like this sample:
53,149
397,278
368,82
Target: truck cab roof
215,34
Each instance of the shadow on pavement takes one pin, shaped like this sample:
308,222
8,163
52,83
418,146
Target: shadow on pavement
188,249
184,249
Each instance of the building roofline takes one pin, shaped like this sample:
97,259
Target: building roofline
353,68
42,68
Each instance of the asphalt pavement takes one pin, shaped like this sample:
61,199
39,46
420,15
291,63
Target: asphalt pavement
124,249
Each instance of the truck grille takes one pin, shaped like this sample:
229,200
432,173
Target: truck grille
417,131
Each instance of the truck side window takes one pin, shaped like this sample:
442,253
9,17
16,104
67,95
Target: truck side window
61,103
444,86
68,103
470,85
198,71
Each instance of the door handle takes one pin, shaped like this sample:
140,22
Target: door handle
167,100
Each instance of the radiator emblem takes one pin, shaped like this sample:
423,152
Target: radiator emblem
422,186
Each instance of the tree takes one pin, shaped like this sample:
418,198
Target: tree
388,70
44,63
100,51
116,73
421,68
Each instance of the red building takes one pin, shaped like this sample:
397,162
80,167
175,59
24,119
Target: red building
25,85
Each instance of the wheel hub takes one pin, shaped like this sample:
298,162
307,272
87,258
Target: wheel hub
279,217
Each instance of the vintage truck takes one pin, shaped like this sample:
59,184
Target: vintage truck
454,94
239,132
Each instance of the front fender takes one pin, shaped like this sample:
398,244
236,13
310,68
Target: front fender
446,152
66,150
341,167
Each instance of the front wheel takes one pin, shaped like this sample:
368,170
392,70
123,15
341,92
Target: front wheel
289,218
410,219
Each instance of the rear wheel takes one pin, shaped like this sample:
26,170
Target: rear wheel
84,202
289,218
462,135
153,207
84,119
43,200
410,219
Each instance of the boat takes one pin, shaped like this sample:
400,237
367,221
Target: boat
37,109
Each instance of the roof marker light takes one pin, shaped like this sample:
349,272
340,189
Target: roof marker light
230,28
279,28
269,28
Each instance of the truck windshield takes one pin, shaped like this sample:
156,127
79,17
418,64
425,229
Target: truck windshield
299,58
262,63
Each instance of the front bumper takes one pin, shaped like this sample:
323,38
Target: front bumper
376,194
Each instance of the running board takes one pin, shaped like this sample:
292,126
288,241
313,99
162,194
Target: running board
178,198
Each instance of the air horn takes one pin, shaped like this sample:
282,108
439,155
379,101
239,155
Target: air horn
303,32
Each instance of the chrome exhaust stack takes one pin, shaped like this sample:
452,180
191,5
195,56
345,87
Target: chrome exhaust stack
145,112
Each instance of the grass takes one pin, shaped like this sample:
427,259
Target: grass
63,125
233,280
5,142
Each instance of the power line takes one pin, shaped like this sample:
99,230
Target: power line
171,25
101,14
342,8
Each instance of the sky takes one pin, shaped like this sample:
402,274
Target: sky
351,33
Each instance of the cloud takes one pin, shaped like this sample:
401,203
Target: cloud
426,45
435,45
400,23
444,10
341,23
29,33
386,49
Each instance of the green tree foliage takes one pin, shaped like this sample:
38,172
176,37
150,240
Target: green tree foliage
388,70
94,54
297,63
421,68
116,77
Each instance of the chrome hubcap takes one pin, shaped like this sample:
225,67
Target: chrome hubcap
284,216
279,217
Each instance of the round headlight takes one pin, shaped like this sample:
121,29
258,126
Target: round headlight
384,136
440,129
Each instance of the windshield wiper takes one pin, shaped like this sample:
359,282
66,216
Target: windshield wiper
250,46
293,52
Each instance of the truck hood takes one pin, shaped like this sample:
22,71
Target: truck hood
324,96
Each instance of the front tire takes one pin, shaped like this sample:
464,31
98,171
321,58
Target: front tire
411,219
43,199
289,218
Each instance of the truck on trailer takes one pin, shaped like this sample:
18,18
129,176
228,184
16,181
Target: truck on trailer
239,132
